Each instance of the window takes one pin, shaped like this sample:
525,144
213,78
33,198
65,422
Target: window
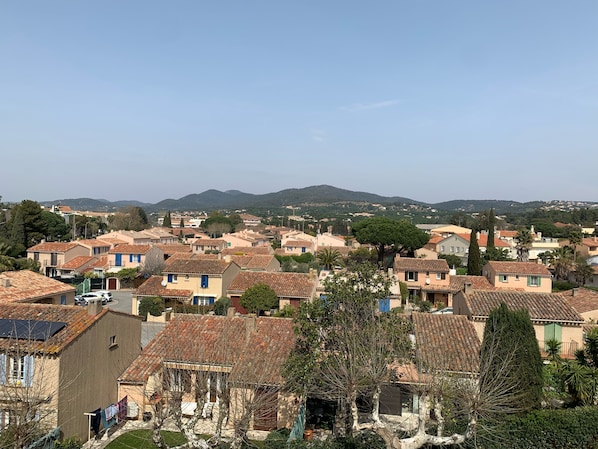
204,281
533,281
112,342
118,260
53,259
20,370
503,278
172,278
36,256
452,249
134,257
441,248
440,276
63,300
177,380
411,275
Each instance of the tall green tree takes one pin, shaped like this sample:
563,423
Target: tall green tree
56,227
328,257
509,336
474,259
491,226
259,298
390,236
524,240
167,223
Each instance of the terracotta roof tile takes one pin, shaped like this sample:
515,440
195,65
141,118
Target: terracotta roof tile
581,299
153,287
286,285
446,342
94,243
125,248
219,340
53,247
76,262
483,241
196,266
254,262
417,264
477,282
247,250
76,318
27,286
550,307
173,248
532,268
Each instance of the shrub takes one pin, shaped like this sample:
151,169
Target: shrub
154,305
221,305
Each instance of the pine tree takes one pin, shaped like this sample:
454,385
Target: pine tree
491,225
182,223
167,223
510,341
474,259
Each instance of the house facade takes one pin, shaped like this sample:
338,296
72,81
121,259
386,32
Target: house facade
427,279
132,256
51,255
63,363
26,286
235,360
526,276
551,316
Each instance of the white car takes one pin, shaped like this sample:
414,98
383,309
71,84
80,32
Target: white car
106,294
93,296
446,310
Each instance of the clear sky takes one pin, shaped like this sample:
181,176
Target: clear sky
430,100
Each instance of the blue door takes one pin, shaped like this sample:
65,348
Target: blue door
384,305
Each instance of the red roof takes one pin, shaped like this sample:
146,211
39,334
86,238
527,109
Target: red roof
27,286
286,285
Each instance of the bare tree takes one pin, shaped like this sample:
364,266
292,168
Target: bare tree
153,264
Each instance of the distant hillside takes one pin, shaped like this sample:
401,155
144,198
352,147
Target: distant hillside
314,196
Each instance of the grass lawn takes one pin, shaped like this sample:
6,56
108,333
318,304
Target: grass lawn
142,439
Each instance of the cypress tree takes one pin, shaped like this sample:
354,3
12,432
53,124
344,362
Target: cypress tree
491,224
510,357
474,259
167,221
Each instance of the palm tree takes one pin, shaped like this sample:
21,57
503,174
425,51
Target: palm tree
561,260
583,272
575,239
553,350
328,257
524,241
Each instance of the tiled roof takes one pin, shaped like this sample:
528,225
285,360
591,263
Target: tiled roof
112,241
254,262
94,243
532,268
76,318
483,241
195,266
446,342
477,282
342,250
153,287
249,250
101,262
219,340
173,248
507,233
416,264
590,242
76,262
209,242
286,285
125,248
581,299
541,306
53,247
27,286
298,244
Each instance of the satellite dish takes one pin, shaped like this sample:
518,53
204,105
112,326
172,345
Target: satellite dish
163,283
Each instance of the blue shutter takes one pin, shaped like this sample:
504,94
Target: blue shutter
384,305
204,281
170,278
303,249
118,259
2,369
130,257
195,300
29,366
211,300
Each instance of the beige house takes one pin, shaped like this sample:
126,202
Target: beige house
205,245
291,288
589,247
132,256
526,276
194,281
63,362
425,278
237,361
29,287
257,262
551,315
52,255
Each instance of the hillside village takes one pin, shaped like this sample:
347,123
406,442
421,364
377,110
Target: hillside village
217,364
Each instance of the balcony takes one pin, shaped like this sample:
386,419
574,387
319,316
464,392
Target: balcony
567,349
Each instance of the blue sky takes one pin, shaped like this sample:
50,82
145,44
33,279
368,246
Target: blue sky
430,100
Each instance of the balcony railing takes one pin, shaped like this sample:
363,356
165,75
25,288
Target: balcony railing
567,349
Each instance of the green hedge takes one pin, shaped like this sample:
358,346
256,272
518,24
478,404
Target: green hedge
574,428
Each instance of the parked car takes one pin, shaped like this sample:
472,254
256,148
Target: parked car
106,294
79,301
93,296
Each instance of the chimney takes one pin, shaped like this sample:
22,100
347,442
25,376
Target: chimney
250,325
574,291
230,312
467,288
5,282
94,307
227,258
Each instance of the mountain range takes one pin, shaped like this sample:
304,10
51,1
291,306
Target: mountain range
322,195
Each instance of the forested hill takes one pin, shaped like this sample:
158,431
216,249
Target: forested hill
322,195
